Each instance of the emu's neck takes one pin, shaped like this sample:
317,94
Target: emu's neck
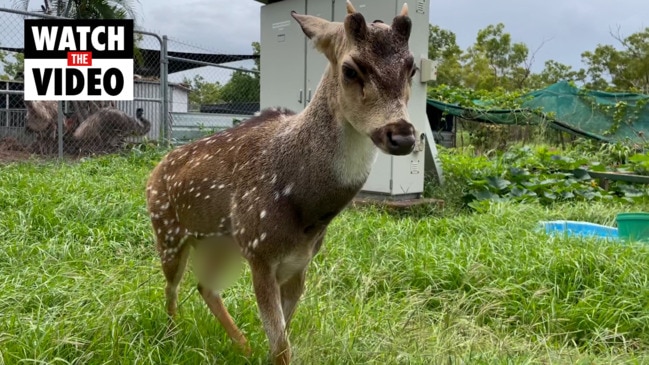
350,153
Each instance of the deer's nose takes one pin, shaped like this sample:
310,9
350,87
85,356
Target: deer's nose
395,138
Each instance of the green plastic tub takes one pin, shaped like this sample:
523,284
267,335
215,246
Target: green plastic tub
633,226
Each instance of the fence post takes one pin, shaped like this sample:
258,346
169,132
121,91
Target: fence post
164,72
59,115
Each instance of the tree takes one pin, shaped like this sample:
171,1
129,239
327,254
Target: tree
85,9
78,9
442,47
620,69
495,61
601,64
554,72
243,86
13,65
256,50
202,92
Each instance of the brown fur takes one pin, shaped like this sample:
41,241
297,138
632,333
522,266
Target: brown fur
41,115
269,187
107,128
112,122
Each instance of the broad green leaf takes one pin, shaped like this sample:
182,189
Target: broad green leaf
498,183
581,174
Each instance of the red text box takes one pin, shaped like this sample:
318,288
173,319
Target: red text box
79,58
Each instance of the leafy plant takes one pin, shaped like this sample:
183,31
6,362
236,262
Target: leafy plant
547,175
640,163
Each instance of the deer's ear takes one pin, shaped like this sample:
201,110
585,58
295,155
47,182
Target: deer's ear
355,27
402,24
322,32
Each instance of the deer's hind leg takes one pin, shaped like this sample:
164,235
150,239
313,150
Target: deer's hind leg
171,242
174,254
174,268
216,262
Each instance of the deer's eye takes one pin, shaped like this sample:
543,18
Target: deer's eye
349,73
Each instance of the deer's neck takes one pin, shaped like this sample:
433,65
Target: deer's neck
348,153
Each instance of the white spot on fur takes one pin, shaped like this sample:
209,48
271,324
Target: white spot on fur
262,215
263,236
287,189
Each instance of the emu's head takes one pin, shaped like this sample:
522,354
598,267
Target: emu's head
373,68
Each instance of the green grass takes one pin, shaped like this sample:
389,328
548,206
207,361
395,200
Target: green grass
80,283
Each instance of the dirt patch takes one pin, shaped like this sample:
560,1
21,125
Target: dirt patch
11,150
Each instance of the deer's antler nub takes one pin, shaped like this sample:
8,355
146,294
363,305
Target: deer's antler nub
404,9
350,8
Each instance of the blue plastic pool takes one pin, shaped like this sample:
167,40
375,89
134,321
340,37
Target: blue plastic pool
582,229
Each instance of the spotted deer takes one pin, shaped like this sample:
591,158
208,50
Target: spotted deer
265,191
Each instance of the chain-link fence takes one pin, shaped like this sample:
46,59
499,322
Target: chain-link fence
221,89
205,91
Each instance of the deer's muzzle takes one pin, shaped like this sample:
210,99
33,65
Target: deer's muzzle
395,138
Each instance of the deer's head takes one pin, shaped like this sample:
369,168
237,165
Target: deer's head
372,68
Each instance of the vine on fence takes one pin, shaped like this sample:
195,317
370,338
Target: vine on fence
620,113
481,99
522,125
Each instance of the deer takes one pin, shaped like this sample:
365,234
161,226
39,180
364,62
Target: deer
264,192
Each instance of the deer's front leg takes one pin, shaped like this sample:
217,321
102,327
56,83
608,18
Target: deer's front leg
291,292
269,301
292,281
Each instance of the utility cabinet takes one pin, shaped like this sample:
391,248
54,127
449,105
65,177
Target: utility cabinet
291,69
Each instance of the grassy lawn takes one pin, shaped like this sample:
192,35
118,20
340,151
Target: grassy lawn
80,283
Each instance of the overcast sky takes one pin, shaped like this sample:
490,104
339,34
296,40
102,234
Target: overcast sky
568,27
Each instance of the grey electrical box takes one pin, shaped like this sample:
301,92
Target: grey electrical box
291,69
428,70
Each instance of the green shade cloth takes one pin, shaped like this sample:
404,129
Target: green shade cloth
569,109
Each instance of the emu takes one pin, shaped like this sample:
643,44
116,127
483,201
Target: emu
91,127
